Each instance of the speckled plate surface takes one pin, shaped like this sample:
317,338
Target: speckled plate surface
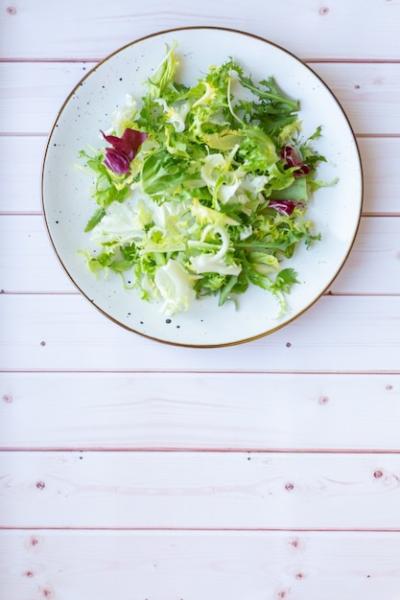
66,189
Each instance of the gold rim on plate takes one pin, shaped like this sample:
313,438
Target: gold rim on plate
264,333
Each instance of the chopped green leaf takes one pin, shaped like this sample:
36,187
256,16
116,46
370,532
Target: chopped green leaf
284,280
95,219
211,203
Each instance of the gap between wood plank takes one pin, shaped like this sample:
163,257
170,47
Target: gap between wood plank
374,214
38,213
188,450
5,292
45,134
36,293
204,372
97,59
394,530
356,61
23,134
21,213
23,59
377,135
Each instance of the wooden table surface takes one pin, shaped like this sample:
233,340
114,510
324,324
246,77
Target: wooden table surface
131,470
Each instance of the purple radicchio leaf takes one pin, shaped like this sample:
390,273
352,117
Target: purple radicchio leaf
291,158
116,161
283,207
124,150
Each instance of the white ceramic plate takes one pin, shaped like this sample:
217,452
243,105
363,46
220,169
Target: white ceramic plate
66,190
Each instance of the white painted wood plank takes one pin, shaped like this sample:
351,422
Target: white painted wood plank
374,263
202,411
198,565
372,107
367,29
338,333
20,173
211,565
381,180
28,262
27,259
201,490
45,85
369,93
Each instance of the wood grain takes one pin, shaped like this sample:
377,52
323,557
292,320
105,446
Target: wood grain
198,565
202,411
20,175
201,490
76,336
358,29
369,92
28,262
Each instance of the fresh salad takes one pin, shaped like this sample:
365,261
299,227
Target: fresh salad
203,190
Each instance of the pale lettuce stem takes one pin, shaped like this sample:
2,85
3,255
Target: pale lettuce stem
203,245
228,97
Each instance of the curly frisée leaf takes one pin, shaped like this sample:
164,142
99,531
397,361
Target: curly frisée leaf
203,190
284,280
215,263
